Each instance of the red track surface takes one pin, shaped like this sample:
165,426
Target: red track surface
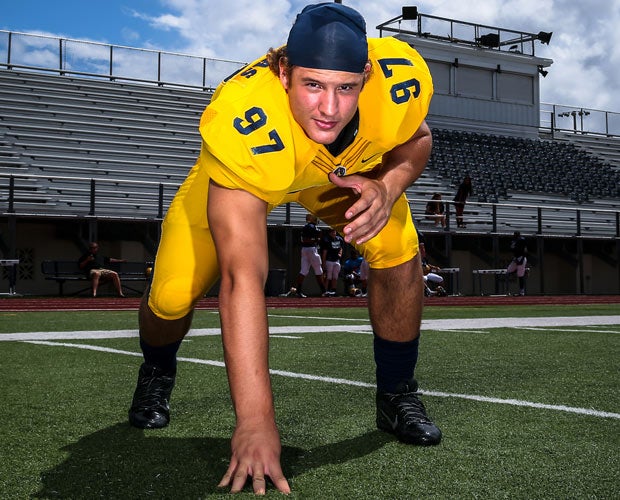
131,303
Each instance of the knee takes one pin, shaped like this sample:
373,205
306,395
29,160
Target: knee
174,300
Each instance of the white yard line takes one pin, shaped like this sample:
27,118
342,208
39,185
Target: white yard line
431,324
519,322
341,381
323,318
577,330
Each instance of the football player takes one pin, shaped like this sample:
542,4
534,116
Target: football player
335,122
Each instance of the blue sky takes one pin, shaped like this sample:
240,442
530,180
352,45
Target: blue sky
110,21
585,46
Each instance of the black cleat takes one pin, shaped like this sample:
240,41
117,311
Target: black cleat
403,414
150,406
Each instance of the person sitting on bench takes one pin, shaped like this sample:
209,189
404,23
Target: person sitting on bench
93,267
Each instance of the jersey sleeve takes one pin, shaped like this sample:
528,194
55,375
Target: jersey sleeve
247,142
399,91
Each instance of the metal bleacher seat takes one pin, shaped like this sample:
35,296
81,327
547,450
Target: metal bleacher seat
61,133
58,132
528,165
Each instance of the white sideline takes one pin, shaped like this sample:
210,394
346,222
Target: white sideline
432,324
341,381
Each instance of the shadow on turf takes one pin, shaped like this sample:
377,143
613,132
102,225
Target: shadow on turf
123,462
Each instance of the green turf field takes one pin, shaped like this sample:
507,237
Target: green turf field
526,412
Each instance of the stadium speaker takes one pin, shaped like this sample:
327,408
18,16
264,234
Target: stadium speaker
489,40
544,37
410,13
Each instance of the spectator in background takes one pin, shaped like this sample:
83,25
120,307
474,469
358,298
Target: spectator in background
460,199
94,268
431,275
518,263
355,270
435,210
310,258
331,253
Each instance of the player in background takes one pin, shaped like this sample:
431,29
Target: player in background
355,271
431,275
332,246
518,264
310,258
335,122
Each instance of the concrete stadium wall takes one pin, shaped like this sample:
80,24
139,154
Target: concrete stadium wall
553,261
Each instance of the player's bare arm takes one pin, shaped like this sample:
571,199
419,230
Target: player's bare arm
255,445
400,168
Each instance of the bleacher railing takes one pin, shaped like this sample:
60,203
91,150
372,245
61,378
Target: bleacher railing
149,200
535,219
81,196
555,117
66,56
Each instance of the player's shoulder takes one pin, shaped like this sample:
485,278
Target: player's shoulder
389,52
389,46
395,100
254,86
400,68
247,127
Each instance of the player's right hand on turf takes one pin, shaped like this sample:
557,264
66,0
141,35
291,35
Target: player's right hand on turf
255,453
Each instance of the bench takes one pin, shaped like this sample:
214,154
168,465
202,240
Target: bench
62,271
498,282
453,273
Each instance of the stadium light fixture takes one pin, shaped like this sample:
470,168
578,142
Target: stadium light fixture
575,113
490,40
410,13
544,37
542,71
494,38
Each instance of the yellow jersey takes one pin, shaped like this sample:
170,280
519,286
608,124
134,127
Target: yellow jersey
252,142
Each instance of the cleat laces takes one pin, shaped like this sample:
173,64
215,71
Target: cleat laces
411,410
153,391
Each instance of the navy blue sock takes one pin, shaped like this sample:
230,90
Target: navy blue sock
164,357
395,362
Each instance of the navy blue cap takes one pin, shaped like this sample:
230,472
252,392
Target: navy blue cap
328,36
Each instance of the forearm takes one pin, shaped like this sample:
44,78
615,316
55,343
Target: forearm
246,349
402,166
243,314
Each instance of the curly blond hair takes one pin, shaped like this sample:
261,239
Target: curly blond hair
274,56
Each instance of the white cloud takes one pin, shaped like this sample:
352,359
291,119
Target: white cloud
585,46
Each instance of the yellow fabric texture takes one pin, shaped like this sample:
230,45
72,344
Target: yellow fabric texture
252,142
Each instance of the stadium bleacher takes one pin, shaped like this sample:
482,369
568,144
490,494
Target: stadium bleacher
58,133
65,138
501,164
91,151
514,177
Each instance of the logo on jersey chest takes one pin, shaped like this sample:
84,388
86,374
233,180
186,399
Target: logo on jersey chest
340,171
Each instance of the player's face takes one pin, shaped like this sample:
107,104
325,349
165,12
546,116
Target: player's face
322,101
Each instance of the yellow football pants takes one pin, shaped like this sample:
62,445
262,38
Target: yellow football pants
186,265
